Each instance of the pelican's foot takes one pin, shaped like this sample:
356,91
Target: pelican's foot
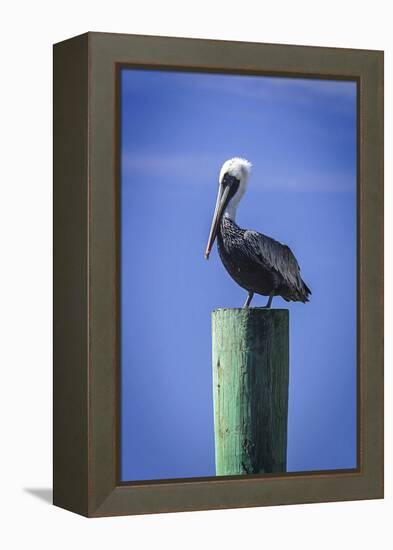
269,302
248,301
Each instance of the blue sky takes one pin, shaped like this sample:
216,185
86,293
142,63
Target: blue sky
177,129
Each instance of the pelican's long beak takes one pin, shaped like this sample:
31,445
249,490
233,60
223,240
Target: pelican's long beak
221,202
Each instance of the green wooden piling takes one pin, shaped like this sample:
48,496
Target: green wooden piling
250,384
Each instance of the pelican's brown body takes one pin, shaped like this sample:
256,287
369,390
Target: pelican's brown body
260,264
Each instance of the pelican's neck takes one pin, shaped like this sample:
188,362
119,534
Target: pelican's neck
230,210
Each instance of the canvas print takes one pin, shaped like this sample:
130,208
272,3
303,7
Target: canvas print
244,364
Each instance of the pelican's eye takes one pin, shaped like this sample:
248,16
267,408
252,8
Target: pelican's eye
229,180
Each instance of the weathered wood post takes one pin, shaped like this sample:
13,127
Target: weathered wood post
250,384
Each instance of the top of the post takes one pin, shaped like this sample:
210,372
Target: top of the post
250,313
250,309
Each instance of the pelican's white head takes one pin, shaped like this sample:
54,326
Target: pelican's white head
236,172
232,185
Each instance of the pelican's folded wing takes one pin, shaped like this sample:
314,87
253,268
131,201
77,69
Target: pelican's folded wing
276,256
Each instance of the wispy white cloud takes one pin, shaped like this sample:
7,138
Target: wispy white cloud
292,90
189,169
311,181
177,166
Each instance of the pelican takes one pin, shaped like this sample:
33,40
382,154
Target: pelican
259,264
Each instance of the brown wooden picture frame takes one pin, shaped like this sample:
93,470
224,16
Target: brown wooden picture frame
86,266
